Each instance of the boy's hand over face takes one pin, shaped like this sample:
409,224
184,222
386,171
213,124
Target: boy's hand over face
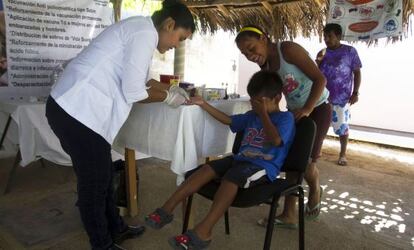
259,105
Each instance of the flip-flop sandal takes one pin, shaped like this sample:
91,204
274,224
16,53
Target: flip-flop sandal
158,218
188,240
313,214
342,161
278,224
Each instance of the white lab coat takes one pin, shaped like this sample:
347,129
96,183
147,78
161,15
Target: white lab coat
99,86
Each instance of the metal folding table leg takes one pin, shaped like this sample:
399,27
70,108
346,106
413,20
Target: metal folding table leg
3,136
12,172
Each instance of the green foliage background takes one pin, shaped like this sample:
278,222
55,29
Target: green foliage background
139,6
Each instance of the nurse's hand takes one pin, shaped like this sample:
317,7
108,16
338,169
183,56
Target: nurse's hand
174,99
181,91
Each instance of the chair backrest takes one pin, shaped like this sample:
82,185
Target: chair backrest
300,150
237,142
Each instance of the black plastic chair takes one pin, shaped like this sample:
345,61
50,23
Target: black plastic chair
296,161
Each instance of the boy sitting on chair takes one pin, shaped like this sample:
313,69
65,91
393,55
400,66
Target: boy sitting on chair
268,134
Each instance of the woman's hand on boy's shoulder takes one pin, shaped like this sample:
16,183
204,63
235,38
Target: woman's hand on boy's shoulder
302,112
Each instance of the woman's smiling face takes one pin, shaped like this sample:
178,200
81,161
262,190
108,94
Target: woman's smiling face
254,49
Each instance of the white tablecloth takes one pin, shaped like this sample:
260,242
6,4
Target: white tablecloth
181,135
34,135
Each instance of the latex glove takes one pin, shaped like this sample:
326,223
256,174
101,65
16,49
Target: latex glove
174,99
176,89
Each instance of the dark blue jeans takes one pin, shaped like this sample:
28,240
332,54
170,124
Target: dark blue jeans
92,163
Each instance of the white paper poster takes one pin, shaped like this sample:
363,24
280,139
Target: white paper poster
367,19
41,34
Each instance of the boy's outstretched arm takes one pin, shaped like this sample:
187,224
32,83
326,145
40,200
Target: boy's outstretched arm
217,114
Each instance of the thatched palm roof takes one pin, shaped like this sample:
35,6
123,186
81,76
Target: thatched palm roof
282,19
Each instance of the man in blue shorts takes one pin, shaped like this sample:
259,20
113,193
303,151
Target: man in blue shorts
341,66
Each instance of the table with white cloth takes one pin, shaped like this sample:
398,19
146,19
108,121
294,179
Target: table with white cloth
182,136
31,131
26,126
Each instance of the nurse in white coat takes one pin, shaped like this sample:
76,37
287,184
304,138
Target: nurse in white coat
92,99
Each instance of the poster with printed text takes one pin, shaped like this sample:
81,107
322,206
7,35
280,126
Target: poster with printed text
42,34
366,19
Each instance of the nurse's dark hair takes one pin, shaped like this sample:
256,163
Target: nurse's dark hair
266,83
333,27
249,33
177,11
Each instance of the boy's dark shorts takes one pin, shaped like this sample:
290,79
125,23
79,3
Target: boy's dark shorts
242,173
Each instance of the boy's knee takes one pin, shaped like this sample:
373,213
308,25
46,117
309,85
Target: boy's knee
229,183
206,168
197,169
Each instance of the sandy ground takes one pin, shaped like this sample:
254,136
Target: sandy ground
366,205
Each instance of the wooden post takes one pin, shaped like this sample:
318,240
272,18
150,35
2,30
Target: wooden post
179,60
117,9
131,182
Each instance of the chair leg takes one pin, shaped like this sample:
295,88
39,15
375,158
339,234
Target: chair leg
187,213
301,219
12,172
270,224
226,222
